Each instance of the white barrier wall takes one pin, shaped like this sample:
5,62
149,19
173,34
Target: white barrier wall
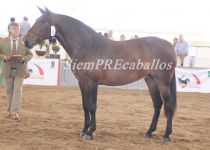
198,57
57,72
193,80
43,72
196,62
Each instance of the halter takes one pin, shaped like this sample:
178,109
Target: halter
52,38
52,31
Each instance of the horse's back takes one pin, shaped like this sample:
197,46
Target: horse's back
144,48
153,44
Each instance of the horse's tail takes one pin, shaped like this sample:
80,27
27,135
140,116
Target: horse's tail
173,95
173,92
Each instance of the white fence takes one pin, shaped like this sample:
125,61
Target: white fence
187,79
68,79
198,57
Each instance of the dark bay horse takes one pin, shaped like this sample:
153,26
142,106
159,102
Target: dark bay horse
99,61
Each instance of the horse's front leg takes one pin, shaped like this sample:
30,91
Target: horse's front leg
86,120
89,98
93,107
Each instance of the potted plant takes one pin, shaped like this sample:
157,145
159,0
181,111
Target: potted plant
39,51
56,49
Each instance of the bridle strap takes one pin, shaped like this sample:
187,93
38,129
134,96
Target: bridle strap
52,31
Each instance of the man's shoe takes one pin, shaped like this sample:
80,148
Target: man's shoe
16,117
9,115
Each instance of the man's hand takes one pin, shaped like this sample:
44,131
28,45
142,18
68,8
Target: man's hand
21,59
6,58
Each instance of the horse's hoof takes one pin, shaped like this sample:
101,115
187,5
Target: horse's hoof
165,139
87,137
82,134
148,136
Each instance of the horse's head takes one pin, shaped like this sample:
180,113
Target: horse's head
41,29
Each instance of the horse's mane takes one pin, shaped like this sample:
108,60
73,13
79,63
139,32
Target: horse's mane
76,23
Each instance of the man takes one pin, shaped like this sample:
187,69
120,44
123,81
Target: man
24,26
175,41
15,56
122,37
110,35
181,48
12,20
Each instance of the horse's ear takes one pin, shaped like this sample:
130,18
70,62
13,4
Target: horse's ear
41,10
48,11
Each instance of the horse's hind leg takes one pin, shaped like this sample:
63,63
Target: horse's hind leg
89,97
169,106
157,104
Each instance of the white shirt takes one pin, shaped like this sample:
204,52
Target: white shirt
11,43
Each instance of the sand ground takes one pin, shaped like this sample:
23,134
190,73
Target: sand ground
53,118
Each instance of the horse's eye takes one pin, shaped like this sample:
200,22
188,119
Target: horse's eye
42,21
45,23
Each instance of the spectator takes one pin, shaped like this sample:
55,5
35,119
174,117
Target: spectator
100,33
24,26
181,49
106,34
175,40
122,37
110,35
12,20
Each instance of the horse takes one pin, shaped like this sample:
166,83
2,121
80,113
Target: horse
100,61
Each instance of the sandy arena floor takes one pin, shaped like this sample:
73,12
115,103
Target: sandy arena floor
53,118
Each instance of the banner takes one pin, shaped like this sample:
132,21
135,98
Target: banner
193,80
43,72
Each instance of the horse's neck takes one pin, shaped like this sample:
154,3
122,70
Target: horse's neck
71,42
63,42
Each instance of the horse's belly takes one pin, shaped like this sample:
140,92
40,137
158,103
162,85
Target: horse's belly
113,83
120,78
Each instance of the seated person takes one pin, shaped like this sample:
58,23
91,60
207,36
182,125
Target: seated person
181,48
